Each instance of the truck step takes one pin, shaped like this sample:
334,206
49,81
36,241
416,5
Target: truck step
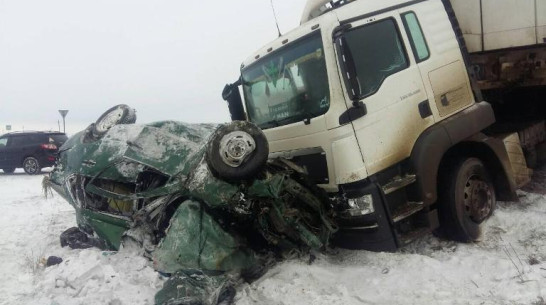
411,236
406,210
398,183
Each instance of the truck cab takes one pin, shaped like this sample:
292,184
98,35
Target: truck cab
374,101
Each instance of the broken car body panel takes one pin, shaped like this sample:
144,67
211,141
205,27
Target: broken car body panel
153,184
110,167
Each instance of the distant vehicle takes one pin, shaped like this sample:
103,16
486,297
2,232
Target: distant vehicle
30,150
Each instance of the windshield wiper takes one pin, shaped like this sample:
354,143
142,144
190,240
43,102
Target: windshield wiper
270,124
308,116
277,123
305,117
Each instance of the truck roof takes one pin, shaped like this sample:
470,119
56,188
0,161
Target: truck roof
343,12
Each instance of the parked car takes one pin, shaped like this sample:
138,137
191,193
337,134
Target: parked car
30,150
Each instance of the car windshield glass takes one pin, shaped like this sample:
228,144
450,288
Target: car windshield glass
289,85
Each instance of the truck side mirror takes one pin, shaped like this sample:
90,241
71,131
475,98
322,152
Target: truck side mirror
231,95
357,111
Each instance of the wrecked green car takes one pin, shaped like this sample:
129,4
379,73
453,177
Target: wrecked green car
203,201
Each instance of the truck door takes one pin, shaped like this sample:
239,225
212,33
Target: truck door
383,80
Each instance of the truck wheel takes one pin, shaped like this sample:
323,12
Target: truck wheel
120,114
237,151
9,170
31,166
466,199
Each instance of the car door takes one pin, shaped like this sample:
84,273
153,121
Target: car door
3,153
14,151
383,80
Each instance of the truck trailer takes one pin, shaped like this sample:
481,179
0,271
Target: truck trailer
414,116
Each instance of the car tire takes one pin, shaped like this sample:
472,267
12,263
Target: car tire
237,151
119,114
466,199
9,170
31,166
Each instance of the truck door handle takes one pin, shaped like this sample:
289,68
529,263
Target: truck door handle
424,109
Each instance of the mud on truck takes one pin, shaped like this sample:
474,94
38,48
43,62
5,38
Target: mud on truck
414,116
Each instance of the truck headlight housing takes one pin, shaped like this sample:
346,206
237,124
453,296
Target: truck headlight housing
360,205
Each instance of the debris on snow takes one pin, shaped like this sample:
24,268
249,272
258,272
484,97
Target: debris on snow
507,267
53,260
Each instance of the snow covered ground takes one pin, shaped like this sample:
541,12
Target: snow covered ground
30,228
507,267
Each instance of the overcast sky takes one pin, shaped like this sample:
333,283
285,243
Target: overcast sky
168,59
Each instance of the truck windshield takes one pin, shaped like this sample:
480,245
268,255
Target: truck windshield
289,85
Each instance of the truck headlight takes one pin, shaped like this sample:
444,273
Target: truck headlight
361,205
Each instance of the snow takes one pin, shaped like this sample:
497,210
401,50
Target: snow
507,267
31,225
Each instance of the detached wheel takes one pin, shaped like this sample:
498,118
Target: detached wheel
120,114
237,151
9,170
31,166
467,198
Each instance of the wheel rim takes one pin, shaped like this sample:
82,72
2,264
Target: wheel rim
235,147
31,166
478,199
109,120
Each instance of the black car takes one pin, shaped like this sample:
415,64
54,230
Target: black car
31,150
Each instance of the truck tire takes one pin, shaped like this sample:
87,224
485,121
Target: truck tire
466,199
119,114
237,151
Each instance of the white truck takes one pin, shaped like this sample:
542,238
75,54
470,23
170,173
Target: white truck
414,116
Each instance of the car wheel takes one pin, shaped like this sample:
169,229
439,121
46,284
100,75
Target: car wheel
119,114
9,170
466,199
237,151
31,166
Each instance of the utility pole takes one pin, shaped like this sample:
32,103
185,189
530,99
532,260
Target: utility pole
63,114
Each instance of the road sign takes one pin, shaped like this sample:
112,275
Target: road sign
8,127
63,113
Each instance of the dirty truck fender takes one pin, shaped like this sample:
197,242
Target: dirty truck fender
433,144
